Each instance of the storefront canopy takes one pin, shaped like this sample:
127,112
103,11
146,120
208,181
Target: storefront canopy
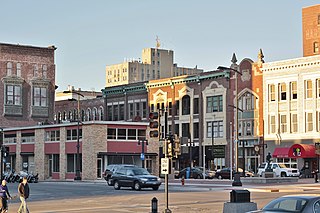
302,151
281,152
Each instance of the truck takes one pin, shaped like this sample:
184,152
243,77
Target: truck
279,169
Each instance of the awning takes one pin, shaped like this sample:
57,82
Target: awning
302,151
281,152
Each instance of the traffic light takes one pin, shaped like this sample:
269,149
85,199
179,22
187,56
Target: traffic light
154,124
177,146
170,149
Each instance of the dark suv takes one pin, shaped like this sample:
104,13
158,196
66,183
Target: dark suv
111,169
134,177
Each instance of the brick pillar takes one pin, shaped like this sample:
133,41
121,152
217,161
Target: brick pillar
39,154
63,156
18,151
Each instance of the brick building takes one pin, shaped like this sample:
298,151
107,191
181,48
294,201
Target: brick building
311,30
27,84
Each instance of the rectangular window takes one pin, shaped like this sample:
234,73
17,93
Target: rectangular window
115,112
217,129
27,137
122,134
40,96
318,88
283,123
170,108
109,112
294,92
185,130
144,109
214,104
121,112
176,129
132,134
294,123
195,130
196,106
309,122
71,162
315,47
52,135
308,88
272,92
141,134
131,110
283,92
137,109
13,95
55,163
111,133
10,138
272,126
72,134
177,107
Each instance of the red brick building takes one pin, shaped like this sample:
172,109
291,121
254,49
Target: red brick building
311,30
27,84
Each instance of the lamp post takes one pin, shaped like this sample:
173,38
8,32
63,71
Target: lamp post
142,142
236,119
77,176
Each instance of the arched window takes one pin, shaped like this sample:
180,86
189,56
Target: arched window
70,116
83,115
89,118
9,68
186,105
64,115
75,114
59,117
44,71
35,70
101,114
95,114
19,69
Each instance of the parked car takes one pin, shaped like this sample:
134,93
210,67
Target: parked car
110,169
225,173
134,177
195,173
279,169
293,203
209,174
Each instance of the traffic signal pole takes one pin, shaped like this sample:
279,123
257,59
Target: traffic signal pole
166,189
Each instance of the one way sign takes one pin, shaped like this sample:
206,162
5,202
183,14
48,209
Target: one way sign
165,166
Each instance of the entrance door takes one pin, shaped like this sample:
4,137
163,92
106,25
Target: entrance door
50,166
99,168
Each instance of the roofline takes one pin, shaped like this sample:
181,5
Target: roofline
51,47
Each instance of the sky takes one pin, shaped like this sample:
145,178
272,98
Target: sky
92,34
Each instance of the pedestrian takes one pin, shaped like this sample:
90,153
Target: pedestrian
23,190
5,195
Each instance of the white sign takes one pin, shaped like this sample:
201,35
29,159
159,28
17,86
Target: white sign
165,166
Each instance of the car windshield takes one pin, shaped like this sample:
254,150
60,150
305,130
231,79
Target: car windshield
287,205
140,171
282,165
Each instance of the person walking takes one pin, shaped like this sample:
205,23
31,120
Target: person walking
23,190
4,195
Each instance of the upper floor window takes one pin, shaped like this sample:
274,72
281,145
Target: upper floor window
28,137
40,96
308,88
101,114
294,123
72,134
95,114
283,123
214,104
294,92
283,92
216,127
196,106
44,71
247,101
315,47
9,68
186,105
318,19
19,69
272,92
309,122
35,70
53,135
13,94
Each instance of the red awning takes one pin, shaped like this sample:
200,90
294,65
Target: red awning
281,152
302,151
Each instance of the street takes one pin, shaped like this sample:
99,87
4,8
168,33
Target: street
195,196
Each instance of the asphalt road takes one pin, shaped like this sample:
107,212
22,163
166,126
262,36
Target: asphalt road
195,196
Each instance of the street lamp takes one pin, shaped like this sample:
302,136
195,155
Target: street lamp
236,118
142,142
77,176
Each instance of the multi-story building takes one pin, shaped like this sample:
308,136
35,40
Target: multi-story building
311,30
155,64
27,84
292,110
51,150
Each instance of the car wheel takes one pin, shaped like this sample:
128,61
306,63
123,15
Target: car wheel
137,186
116,185
155,188
283,174
109,182
198,176
219,177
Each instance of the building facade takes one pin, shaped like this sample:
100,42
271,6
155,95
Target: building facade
27,84
155,64
311,30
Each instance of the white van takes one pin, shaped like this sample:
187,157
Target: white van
279,169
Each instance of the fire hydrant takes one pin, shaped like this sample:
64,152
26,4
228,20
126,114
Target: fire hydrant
182,181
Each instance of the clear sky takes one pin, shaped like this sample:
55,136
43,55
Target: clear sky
92,34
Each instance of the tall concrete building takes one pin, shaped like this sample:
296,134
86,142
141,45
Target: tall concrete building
154,64
311,30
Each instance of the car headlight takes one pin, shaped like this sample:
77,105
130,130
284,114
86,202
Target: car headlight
159,179
144,179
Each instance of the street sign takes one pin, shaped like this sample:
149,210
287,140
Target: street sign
165,166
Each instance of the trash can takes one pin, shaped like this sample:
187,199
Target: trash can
239,196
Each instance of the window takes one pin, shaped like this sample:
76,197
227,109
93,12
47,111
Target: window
131,111
272,92
44,71
89,116
109,113
214,104
315,47
9,68
158,74
122,134
177,108
111,133
137,109
142,75
318,19
248,101
40,96
10,138
195,130
19,69
53,135
101,114
144,109
309,122
294,123
141,134
121,112
186,105
283,123
35,70
13,95
196,106
294,93
217,129
71,162
115,112
54,159
170,108
272,123
28,137
95,114
308,88
153,74
72,134
176,129
132,134
283,92
186,130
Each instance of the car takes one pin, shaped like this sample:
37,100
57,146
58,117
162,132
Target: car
110,169
209,174
225,173
134,177
305,203
279,169
195,173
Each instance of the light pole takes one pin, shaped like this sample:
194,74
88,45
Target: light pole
77,176
142,142
236,120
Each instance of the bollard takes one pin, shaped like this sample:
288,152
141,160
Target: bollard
182,181
154,205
